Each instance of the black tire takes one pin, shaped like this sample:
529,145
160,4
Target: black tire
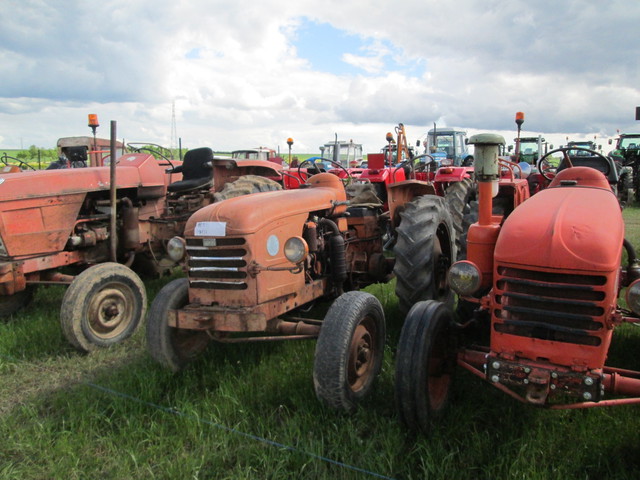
625,189
103,306
349,350
172,347
471,215
424,251
457,197
10,304
246,185
425,364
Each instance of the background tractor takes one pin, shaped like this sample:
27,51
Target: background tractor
627,155
448,147
543,288
85,227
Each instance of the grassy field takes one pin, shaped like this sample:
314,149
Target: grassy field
249,412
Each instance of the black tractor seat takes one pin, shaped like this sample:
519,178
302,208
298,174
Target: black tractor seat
196,170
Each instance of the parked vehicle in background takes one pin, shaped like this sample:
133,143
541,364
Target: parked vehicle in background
347,154
85,151
258,153
448,146
627,154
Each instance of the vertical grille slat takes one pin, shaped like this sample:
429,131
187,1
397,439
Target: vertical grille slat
217,263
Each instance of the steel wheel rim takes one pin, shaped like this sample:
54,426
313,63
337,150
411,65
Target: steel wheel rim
362,354
110,311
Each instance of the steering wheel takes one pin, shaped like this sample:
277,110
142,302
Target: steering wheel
25,165
423,165
148,148
549,171
311,161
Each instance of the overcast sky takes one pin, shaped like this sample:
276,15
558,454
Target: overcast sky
245,73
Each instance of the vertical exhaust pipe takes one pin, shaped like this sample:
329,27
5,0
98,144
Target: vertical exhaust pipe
112,194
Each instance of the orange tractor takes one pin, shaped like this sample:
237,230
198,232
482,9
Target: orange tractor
96,222
257,264
543,286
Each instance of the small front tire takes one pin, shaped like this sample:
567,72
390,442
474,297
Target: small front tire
172,347
349,351
425,363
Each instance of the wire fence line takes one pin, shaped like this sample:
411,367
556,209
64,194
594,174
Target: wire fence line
234,431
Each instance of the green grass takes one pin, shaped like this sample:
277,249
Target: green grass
250,412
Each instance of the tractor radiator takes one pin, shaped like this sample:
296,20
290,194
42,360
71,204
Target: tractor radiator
217,263
557,307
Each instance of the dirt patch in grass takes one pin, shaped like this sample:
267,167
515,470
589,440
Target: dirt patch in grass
24,381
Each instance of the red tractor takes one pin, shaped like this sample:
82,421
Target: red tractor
541,290
96,222
257,264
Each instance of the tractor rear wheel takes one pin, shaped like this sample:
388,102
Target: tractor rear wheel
349,350
245,185
425,364
424,251
10,304
103,306
172,347
457,196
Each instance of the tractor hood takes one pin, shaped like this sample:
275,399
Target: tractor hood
564,228
250,213
134,170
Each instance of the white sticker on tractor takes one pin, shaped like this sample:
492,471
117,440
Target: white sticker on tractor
211,229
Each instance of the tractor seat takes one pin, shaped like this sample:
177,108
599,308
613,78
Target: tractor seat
196,170
580,177
597,163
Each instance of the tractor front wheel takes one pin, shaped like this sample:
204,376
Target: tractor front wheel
425,363
424,251
349,350
102,306
172,347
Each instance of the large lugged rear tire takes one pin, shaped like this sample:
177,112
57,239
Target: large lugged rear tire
424,251
349,350
172,347
425,364
102,306
457,197
246,185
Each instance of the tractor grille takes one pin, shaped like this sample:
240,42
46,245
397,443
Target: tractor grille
550,306
217,263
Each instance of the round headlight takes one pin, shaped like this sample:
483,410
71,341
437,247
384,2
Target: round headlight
464,278
296,249
176,248
633,297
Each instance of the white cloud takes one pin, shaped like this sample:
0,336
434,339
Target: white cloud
237,81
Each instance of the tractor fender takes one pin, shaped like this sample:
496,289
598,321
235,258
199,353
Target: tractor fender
451,174
400,193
